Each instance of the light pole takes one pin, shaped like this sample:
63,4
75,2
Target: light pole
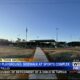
57,37
57,34
26,37
26,33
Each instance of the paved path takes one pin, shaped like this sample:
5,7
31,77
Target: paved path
41,57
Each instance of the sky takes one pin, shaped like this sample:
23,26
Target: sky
41,17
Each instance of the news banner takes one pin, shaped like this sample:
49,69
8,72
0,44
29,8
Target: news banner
39,67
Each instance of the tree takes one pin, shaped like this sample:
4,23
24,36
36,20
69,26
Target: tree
23,40
18,40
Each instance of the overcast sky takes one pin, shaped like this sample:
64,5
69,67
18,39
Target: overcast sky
41,17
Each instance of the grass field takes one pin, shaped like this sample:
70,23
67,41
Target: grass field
54,55
15,52
64,55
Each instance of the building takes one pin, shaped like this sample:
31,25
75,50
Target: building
50,43
44,43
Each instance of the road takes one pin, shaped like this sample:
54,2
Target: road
41,57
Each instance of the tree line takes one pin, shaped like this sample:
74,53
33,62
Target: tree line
23,43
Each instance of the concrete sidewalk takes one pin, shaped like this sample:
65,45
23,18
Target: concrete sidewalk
41,57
